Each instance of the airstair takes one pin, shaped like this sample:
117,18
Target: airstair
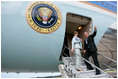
68,69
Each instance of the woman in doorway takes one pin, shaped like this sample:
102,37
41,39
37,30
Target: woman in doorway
76,50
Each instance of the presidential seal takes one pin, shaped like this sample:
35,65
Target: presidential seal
44,17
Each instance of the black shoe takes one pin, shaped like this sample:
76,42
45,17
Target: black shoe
97,73
90,69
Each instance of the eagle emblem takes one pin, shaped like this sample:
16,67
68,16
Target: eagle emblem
44,17
45,14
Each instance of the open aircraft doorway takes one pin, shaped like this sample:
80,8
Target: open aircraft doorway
78,23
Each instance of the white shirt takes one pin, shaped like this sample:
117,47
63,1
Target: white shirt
75,40
86,40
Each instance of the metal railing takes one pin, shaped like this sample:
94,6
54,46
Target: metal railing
102,56
108,58
108,66
65,47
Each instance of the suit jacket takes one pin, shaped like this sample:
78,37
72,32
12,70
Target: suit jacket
91,44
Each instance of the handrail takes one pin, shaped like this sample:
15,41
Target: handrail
108,58
94,65
108,66
101,55
90,63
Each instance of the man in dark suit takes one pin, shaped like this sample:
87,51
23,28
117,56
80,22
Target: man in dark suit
90,49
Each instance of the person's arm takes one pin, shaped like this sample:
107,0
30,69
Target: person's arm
80,39
84,47
72,43
72,50
80,42
94,33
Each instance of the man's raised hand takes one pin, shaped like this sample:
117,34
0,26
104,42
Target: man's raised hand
95,28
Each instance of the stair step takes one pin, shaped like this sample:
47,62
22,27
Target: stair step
69,65
72,62
93,76
83,67
99,76
88,71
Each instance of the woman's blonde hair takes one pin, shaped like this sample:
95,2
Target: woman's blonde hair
75,32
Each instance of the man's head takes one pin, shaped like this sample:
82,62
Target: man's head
85,34
75,33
